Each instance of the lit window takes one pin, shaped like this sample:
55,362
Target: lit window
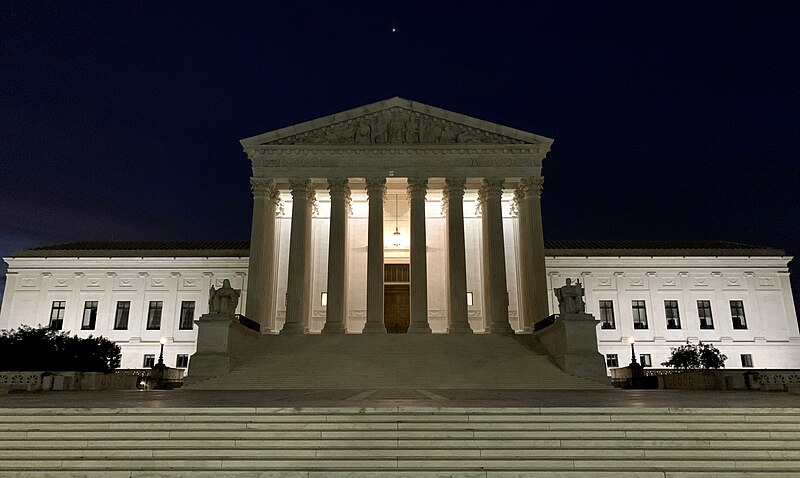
704,312
612,360
673,316
57,314
469,298
324,299
639,314
121,317
187,315
149,361
182,361
607,314
747,360
644,360
154,315
89,315
737,315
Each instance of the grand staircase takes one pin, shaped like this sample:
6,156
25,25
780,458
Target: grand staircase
396,361
399,442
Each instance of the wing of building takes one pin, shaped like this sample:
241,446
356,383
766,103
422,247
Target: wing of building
663,293
402,217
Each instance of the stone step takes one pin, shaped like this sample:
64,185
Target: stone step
483,463
513,426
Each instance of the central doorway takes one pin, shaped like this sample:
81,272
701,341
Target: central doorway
396,298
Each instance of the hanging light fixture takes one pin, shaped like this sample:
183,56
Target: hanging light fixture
396,229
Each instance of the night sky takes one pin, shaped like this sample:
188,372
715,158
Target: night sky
121,120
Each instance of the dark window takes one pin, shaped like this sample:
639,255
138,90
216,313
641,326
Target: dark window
673,316
747,360
639,314
187,315
57,314
89,315
121,317
737,314
704,312
644,360
612,360
149,361
607,314
154,315
182,361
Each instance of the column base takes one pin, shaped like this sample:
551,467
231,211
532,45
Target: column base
374,328
459,329
334,328
501,329
292,329
419,328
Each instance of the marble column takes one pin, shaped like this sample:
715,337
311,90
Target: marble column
297,294
532,262
376,190
495,260
336,312
260,305
417,187
458,322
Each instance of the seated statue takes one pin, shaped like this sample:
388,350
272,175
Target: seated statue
223,301
570,298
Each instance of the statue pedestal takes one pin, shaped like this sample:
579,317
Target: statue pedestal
572,343
221,343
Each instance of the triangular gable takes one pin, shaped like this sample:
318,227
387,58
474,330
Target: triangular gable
395,121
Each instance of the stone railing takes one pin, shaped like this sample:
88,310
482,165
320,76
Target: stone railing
36,380
722,379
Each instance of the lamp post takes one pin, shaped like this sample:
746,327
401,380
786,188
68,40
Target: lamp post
631,340
161,355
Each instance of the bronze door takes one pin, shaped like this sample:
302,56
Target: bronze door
397,308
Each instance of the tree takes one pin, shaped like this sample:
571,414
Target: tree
29,348
692,357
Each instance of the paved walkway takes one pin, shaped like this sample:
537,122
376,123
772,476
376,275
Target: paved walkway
403,397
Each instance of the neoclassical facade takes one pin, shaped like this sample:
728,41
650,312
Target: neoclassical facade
398,217
403,148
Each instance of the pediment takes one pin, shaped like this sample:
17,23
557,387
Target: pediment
392,122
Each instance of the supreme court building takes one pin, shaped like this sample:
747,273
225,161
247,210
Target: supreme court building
399,217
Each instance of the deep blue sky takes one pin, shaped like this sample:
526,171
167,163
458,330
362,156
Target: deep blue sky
672,120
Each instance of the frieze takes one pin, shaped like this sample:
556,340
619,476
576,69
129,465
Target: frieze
396,126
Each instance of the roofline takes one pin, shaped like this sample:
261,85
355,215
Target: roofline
395,101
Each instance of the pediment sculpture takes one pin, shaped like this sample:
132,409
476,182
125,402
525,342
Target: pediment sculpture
394,126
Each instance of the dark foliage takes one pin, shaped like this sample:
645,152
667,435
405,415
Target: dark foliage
29,348
689,357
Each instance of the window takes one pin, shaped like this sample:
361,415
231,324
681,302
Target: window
149,361
607,314
187,315
89,315
154,315
737,314
182,361
672,314
644,360
639,314
747,360
469,298
612,360
323,299
704,312
57,314
121,317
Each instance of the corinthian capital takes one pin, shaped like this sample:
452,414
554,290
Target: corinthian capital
532,186
417,186
262,187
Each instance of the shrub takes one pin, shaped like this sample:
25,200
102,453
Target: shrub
29,348
690,357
